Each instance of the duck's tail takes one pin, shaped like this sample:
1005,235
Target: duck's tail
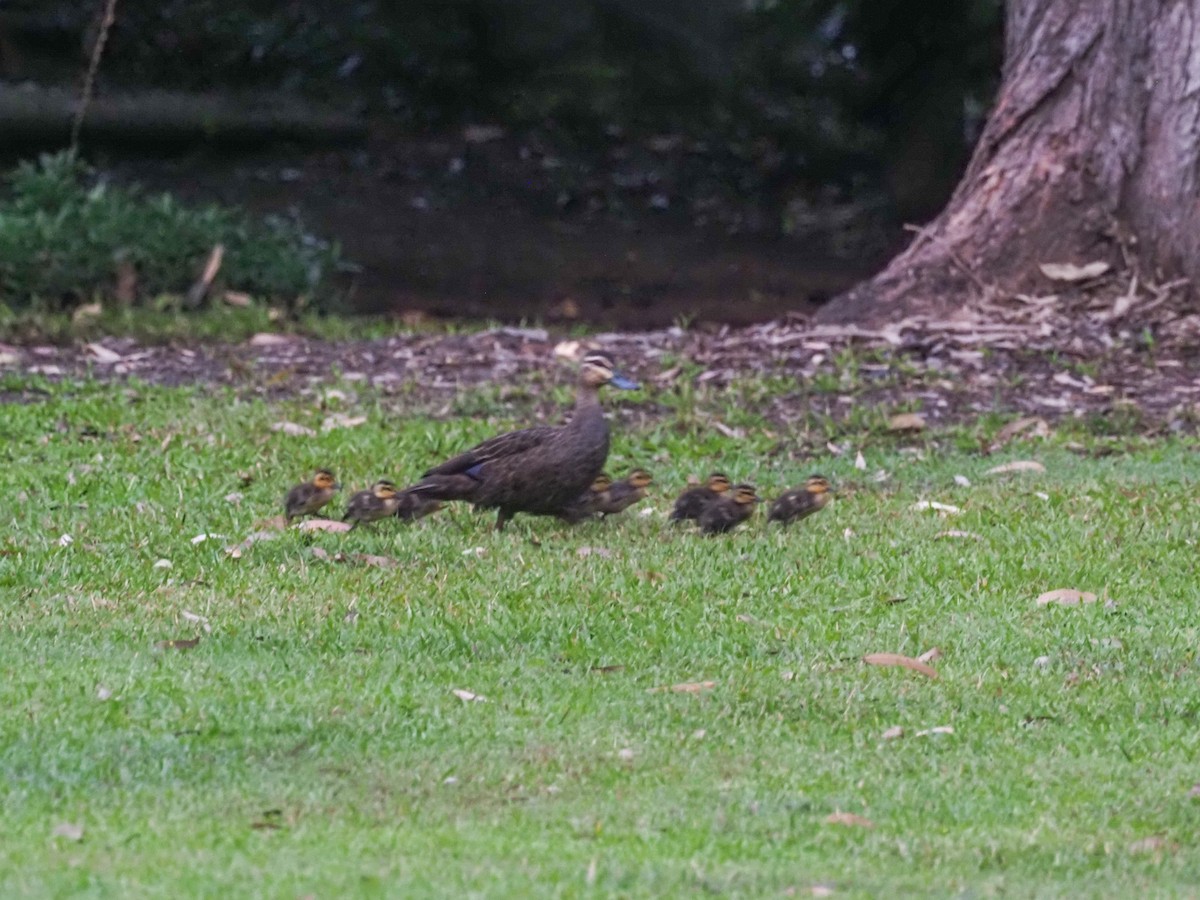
444,487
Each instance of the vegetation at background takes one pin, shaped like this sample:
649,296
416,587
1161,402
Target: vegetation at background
310,740
65,236
788,97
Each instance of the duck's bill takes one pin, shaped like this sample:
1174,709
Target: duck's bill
625,384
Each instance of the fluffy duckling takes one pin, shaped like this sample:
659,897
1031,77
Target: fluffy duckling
306,499
692,502
624,493
728,510
588,503
801,502
372,505
411,507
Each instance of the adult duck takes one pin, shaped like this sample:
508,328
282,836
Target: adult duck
539,471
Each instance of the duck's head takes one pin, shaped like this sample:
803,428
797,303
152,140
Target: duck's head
383,489
640,479
597,370
745,495
818,485
325,481
718,483
601,483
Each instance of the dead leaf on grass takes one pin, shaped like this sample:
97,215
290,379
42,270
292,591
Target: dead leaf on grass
1019,465
468,697
944,508
197,619
368,559
323,525
849,819
953,533
603,552
1035,424
103,355
937,729
178,644
906,422
687,687
72,831
896,731
860,462
341,420
1066,597
931,655
904,662
1072,272
293,429
1155,843
270,339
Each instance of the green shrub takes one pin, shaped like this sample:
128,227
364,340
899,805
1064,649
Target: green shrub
64,234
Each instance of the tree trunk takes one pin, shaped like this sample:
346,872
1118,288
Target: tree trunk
1092,148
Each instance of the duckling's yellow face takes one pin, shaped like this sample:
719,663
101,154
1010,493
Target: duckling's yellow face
597,370
718,483
601,483
384,490
817,484
640,478
745,495
324,480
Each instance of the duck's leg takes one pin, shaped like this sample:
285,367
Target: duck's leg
502,517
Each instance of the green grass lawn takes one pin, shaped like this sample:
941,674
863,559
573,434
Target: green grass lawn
311,743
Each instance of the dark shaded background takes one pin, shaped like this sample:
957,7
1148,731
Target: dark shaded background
648,159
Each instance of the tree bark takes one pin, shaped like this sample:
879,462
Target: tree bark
1092,148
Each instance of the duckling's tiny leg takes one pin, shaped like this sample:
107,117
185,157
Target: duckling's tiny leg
502,517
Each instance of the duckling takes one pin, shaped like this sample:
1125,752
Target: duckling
307,498
729,510
691,502
379,502
412,507
801,502
588,503
624,493
538,471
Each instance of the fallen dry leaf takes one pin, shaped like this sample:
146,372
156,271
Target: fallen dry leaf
382,562
571,350
893,733
1072,272
937,729
468,697
1066,597
584,552
850,819
269,339
687,687
322,525
1036,424
953,533
1020,465
962,480
1155,843
178,644
906,422
860,461
237,299
931,655
946,508
896,659
292,429
103,355
340,420
69,830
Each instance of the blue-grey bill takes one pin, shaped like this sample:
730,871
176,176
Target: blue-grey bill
625,384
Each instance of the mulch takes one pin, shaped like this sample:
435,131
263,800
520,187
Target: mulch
952,371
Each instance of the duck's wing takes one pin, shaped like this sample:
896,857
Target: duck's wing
510,444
